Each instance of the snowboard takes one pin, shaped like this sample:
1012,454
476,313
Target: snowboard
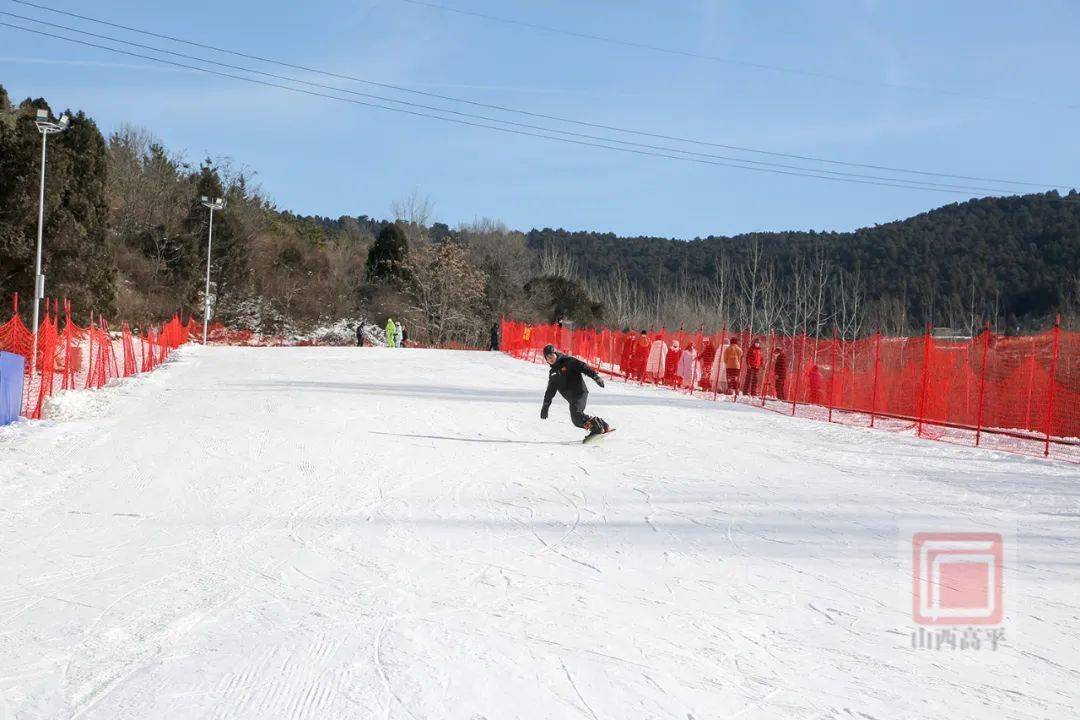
593,438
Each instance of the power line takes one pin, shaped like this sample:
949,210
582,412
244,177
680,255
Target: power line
726,60
481,125
921,183
556,118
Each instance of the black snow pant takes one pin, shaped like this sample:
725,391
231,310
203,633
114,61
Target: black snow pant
577,411
752,380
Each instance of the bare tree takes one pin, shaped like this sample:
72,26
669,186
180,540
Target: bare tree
773,302
414,213
344,263
446,288
149,196
624,302
506,261
847,301
750,278
556,262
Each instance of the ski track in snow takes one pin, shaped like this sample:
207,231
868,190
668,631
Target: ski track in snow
315,533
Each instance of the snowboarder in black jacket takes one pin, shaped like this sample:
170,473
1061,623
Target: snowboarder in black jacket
565,377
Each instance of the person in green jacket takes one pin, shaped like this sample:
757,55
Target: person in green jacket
391,333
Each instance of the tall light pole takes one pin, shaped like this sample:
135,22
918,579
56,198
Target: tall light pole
215,204
46,127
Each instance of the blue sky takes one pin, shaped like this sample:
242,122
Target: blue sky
982,88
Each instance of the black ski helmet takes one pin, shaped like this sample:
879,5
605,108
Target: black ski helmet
549,349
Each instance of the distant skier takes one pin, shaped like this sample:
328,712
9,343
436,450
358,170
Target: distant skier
360,335
391,332
495,331
402,334
565,377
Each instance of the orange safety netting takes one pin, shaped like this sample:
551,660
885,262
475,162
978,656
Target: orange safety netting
72,357
1011,393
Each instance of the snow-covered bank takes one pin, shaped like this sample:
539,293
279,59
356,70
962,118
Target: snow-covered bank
347,532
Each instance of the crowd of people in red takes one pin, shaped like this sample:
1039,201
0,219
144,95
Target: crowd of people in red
729,369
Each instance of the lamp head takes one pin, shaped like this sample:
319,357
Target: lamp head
41,119
47,126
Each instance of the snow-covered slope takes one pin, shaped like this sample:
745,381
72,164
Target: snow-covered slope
372,533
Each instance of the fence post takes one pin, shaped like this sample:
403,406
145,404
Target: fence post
832,372
68,378
877,368
1030,385
982,384
90,350
1053,373
697,361
611,351
924,385
721,370
766,367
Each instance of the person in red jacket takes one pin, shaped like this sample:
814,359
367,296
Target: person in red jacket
626,358
671,364
754,360
708,352
641,355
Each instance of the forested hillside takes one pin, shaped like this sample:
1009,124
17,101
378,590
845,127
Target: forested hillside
125,235
1016,258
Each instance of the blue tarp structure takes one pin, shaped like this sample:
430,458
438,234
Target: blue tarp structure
12,367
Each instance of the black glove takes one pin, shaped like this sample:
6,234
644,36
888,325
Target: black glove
543,412
600,381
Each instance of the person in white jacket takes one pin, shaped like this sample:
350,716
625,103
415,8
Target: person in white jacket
654,365
688,366
717,379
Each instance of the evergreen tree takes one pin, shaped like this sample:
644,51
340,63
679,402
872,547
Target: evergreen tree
388,258
77,258
562,298
229,254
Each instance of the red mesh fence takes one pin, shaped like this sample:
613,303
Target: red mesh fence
70,357
1019,394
